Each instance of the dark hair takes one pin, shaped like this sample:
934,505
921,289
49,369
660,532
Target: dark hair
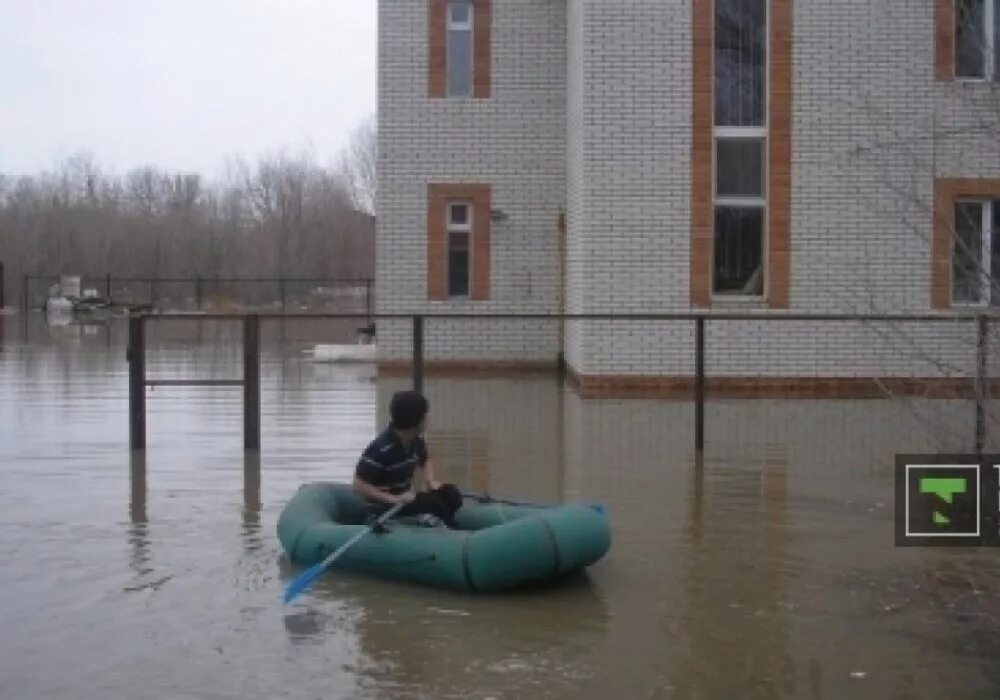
407,409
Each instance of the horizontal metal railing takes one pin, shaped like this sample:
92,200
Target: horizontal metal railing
251,352
199,284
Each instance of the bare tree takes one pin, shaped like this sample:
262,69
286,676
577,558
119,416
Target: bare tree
282,216
358,165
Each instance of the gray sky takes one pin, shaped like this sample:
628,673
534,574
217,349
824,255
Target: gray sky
181,84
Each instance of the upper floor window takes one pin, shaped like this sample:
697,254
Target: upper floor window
977,24
740,146
459,57
740,62
459,48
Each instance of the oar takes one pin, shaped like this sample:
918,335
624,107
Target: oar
486,498
310,574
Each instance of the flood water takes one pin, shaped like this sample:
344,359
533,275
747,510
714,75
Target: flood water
769,571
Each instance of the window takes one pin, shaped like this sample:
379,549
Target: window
459,248
975,258
740,147
459,48
458,241
976,28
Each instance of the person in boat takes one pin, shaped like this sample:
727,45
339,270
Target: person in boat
385,473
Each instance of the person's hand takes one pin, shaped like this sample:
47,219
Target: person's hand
434,484
406,497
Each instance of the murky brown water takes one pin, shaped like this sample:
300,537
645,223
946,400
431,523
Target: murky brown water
769,573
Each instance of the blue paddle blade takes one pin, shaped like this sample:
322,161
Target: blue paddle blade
302,582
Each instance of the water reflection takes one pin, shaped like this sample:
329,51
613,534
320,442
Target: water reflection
137,487
446,643
251,501
502,436
735,583
137,531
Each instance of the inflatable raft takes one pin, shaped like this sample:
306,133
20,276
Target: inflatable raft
498,547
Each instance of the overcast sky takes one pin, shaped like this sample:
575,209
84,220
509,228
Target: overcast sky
181,84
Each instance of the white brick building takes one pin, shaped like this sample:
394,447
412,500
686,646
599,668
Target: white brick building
648,156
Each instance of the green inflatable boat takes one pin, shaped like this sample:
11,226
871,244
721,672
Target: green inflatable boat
498,546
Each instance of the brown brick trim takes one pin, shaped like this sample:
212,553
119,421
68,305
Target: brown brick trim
779,201
779,153
437,43
467,368
437,244
682,388
702,122
946,191
481,202
438,195
482,48
944,39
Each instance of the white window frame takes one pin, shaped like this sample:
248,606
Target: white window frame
460,27
452,24
986,275
739,133
450,228
745,132
989,49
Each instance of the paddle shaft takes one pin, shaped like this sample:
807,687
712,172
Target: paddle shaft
302,582
347,545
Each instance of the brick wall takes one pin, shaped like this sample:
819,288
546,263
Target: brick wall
514,141
576,214
865,110
628,186
591,109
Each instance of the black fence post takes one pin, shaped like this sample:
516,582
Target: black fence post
251,382
699,385
982,379
136,356
24,293
281,292
2,300
368,299
197,293
418,353
107,287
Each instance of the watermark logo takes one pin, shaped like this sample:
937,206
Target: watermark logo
947,500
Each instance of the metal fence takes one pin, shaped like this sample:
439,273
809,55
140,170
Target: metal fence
214,293
973,380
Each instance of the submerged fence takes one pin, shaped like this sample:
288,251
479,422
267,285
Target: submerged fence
699,356
183,293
